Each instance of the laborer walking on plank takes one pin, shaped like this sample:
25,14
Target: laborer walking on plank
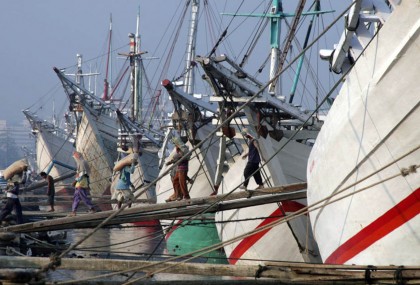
81,184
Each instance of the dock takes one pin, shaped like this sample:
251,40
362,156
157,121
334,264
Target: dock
172,210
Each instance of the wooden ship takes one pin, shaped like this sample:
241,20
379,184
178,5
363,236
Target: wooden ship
378,262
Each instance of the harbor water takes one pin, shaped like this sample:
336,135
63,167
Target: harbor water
128,241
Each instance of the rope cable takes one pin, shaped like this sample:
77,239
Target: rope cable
199,144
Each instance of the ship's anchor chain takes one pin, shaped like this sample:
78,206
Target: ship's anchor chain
409,170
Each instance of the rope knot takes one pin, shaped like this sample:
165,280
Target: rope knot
260,270
368,272
55,261
398,276
409,170
413,168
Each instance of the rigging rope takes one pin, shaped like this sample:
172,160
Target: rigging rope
298,213
303,211
326,97
260,27
189,153
213,50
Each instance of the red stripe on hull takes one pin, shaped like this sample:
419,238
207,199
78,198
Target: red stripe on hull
388,222
151,223
173,228
248,242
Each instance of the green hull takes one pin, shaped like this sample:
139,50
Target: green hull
190,236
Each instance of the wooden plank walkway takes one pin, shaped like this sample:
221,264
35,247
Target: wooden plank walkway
170,210
68,202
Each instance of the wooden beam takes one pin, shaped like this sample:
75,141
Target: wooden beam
288,272
149,266
212,281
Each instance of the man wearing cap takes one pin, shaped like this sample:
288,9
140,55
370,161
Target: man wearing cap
252,167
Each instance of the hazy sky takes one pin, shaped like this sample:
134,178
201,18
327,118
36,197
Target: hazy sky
38,35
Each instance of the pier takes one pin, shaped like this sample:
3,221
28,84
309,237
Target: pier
171,210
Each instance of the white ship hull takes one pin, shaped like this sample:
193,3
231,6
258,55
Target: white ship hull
279,242
146,172
50,147
96,140
372,124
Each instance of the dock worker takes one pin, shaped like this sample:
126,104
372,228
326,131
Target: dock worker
13,201
252,167
123,192
81,184
180,178
50,189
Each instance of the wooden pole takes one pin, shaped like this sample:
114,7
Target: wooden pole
193,282
288,272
